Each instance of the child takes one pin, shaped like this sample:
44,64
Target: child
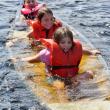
45,25
30,8
62,57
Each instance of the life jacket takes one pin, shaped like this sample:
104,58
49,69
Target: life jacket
63,64
31,10
40,32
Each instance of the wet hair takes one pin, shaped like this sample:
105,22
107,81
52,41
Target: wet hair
28,1
61,33
42,11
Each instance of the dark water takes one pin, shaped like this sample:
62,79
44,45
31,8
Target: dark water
90,17
14,94
7,16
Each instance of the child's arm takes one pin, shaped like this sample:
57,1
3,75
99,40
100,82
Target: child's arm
32,59
91,52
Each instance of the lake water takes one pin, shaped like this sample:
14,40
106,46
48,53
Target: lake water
90,17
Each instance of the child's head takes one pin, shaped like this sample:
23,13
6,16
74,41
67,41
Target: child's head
64,37
45,16
29,1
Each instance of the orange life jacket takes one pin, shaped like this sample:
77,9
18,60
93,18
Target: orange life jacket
40,32
63,64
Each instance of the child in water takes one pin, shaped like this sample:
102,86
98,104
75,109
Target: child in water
44,25
62,57
30,8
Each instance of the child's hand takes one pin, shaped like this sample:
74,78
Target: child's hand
24,59
14,60
95,52
91,52
30,35
29,22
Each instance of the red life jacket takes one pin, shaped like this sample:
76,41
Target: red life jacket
40,32
31,9
63,64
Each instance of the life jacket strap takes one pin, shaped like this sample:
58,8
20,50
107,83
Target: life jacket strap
62,67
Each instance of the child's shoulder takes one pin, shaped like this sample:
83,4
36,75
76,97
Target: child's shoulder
58,22
77,42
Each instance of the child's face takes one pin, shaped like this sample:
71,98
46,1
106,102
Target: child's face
65,44
47,21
